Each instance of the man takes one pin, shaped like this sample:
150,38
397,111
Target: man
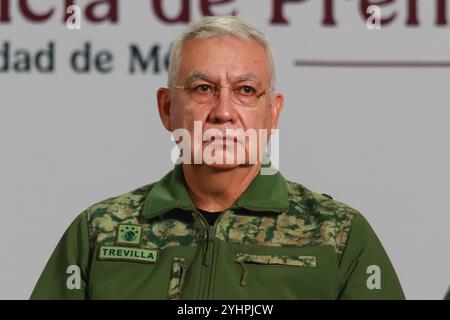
215,227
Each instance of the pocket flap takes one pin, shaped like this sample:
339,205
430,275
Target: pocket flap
275,259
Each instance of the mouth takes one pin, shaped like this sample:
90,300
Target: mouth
222,140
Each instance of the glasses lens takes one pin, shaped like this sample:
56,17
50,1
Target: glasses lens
245,96
208,93
203,93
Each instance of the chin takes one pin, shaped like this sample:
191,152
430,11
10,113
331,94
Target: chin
227,165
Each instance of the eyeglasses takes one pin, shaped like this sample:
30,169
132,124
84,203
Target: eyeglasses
207,93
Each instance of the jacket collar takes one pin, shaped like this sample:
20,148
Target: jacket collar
265,193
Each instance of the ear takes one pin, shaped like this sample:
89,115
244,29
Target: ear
276,107
164,103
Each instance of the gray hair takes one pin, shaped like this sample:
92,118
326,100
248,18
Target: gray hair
213,27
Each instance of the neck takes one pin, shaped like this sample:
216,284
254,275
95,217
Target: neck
214,189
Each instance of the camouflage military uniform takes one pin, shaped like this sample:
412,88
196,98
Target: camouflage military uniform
278,241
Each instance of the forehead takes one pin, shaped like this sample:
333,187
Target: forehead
224,58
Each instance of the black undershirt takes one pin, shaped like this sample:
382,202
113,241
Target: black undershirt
211,217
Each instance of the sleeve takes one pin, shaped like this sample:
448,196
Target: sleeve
66,273
447,295
365,269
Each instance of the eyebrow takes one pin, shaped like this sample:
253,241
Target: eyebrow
197,75
249,77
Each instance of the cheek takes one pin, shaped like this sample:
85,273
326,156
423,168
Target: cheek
184,116
257,119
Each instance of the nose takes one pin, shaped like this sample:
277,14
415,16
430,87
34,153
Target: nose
224,108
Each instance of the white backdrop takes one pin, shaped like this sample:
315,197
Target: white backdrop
375,138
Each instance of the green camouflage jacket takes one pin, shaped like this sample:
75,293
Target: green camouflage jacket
278,241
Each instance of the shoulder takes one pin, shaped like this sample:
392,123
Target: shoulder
330,219
319,203
104,216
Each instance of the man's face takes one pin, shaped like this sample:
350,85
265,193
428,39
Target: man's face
240,66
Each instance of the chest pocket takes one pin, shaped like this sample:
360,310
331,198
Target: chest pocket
272,260
177,275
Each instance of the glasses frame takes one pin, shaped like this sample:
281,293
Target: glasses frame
217,92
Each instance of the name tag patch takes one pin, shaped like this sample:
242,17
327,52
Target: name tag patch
119,253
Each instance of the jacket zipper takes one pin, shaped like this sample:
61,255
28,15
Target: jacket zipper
244,273
208,255
211,260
